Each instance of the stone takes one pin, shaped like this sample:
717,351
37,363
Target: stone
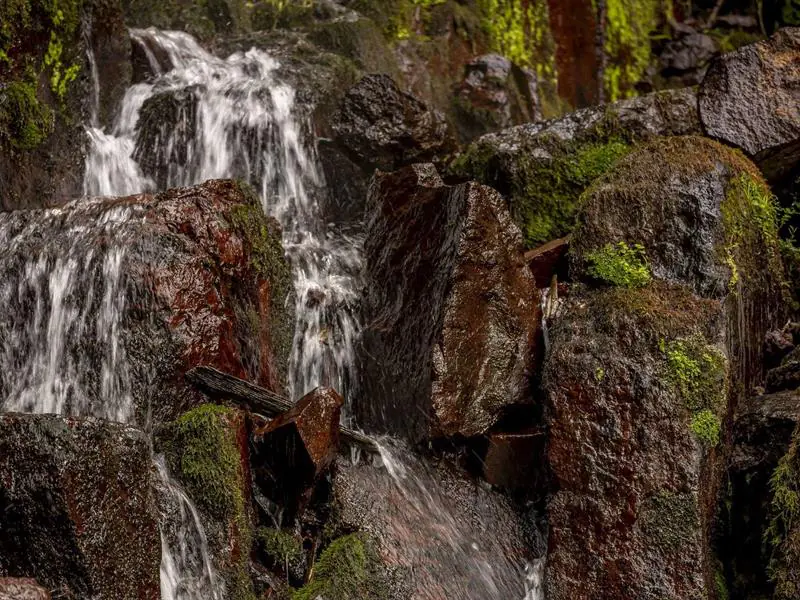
22,589
750,99
384,127
543,168
547,260
515,461
786,376
295,449
495,94
777,344
78,509
687,57
451,309
199,277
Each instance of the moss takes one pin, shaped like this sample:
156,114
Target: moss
783,533
281,547
620,264
202,448
25,122
348,568
629,25
729,40
720,584
790,13
670,520
270,14
698,371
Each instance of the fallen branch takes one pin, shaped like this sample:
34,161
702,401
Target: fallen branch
259,400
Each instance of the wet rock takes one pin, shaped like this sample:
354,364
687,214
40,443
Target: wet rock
547,260
515,461
543,168
22,589
777,344
495,94
77,505
451,309
687,57
786,376
198,275
761,437
750,99
296,448
200,20
633,508
383,127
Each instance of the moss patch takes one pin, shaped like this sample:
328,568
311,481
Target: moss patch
629,25
620,264
783,534
25,122
348,568
280,547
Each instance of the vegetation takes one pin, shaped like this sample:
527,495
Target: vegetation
24,121
620,265
629,25
281,547
783,533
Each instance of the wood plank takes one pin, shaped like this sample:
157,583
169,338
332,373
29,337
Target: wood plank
259,400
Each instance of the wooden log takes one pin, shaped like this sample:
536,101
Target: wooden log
259,400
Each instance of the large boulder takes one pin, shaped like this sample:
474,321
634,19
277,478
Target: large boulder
647,364
79,513
751,99
451,310
381,126
154,284
543,168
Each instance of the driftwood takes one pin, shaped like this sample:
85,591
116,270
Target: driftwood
259,400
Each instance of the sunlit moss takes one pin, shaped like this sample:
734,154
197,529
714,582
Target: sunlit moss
620,264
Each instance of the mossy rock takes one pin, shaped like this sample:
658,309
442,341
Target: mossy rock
671,520
202,19
25,122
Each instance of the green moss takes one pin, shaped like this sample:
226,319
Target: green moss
670,520
720,584
25,122
629,25
790,13
699,371
729,40
783,533
270,14
281,547
620,265
348,568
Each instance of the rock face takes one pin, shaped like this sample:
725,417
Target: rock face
22,589
78,510
196,275
543,168
451,309
750,99
643,373
495,94
383,127
296,448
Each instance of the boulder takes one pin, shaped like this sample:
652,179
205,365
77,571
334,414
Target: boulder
543,168
78,509
686,58
22,589
647,363
381,126
750,99
451,310
495,94
168,281
294,450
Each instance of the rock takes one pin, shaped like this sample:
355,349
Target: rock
383,127
687,57
198,277
515,461
750,99
438,533
495,94
22,589
787,375
777,344
547,260
294,450
77,505
638,368
543,168
452,323
200,20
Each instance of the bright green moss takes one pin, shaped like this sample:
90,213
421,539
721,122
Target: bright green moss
347,568
783,533
281,547
629,25
706,426
620,265
25,122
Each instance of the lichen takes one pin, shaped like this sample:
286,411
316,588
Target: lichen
620,264
782,536
348,568
698,372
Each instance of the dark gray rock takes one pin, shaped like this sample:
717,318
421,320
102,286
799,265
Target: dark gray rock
77,505
687,57
451,309
786,376
751,99
384,127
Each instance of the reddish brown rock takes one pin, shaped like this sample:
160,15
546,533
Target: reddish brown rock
751,99
296,448
78,507
22,589
451,309
514,460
